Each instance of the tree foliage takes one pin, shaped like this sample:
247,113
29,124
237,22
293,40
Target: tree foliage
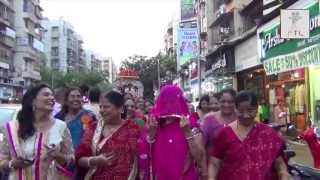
58,79
147,68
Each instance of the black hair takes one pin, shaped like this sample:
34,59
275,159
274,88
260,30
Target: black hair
26,114
247,96
94,95
215,95
64,109
115,98
84,89
230,91
204,98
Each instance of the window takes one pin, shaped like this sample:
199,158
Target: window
25,5
30,40
25,65
55,29
55,41
55,51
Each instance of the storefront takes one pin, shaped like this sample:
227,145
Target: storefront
248,67
292,67
220,70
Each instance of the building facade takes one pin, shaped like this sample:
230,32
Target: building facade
230,23
7,48
26,59
63,46
109,69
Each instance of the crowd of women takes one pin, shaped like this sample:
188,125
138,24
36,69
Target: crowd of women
118,137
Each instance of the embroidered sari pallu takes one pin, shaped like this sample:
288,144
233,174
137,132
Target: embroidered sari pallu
33,149
121,144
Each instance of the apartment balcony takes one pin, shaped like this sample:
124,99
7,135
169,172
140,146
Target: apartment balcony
29,53
4,63
31,75
8,41
224,13
5,19
55,34
38,12
31,16
7,3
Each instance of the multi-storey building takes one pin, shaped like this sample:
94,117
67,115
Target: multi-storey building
27,21
169,41
7,47
93,61
230,22
63,46
109,69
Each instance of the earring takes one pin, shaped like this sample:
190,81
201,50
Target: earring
33,107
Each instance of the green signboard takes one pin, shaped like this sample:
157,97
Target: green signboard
299,59
187,11
273,45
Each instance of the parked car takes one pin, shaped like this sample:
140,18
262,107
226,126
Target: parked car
8,112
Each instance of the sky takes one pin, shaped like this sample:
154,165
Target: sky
116,28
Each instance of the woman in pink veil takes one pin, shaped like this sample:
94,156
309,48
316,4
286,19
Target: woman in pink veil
171,148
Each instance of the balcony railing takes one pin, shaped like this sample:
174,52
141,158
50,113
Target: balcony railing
222,12
10,42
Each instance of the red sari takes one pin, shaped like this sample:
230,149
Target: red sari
253,158
123,143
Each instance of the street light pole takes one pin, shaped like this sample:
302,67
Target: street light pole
158,66
52,79
199,48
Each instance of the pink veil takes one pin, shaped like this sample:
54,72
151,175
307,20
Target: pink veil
168,157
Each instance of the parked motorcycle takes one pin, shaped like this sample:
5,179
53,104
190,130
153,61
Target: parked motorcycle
296,170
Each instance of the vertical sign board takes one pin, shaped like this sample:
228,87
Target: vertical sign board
188,45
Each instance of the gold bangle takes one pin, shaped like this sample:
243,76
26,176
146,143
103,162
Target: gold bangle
150,141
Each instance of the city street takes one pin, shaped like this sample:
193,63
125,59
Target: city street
303,154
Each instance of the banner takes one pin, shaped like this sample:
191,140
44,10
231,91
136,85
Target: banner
300,59
188,45
187,11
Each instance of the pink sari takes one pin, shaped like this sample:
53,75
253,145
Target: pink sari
252,158
168,158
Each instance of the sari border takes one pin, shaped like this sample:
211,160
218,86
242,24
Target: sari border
64,171
37,164
13,147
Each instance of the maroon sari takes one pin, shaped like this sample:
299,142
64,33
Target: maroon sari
253,158
123,143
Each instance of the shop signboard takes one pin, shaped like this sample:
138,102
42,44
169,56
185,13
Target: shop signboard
294,23
292,61
188,45
295,53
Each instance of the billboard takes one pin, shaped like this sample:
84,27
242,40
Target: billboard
188,45
187,11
